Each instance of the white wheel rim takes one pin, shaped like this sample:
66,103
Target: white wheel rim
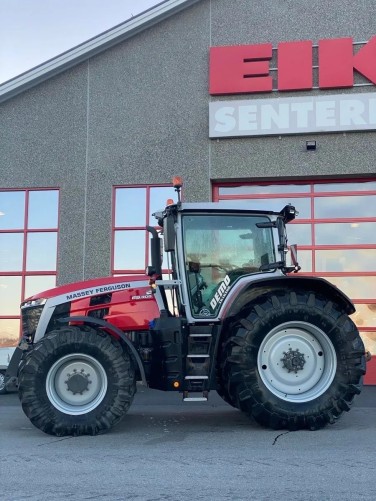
76,384
297,362
2,381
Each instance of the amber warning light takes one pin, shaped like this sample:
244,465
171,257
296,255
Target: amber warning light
177,183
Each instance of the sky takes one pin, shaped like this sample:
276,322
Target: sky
33,31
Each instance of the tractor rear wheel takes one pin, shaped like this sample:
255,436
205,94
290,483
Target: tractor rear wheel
222,392
295,361
76,381
222,387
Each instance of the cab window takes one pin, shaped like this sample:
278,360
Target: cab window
218,250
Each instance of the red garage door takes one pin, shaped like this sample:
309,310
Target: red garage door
336,235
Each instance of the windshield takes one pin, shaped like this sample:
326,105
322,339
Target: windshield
218,250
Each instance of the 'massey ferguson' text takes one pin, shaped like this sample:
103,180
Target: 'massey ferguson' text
97,290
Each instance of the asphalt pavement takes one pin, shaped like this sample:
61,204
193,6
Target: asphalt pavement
168,450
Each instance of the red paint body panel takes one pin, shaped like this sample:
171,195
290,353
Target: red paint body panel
130,309
124,312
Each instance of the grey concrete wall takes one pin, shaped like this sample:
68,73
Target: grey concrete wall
43,144
148,118
138,114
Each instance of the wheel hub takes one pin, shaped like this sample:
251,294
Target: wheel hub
293,360
297,361
78,382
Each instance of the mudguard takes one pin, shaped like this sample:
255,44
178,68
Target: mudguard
261,286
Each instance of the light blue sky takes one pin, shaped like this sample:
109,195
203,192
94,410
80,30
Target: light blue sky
33,31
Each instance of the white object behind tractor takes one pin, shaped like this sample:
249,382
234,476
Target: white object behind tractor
5,356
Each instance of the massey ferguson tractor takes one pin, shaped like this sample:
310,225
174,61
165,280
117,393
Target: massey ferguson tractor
233,317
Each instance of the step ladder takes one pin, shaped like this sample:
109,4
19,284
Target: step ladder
187,398
198,364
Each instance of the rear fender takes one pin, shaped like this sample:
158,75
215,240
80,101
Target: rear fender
257,288
114,330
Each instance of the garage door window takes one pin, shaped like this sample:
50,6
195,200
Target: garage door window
335,232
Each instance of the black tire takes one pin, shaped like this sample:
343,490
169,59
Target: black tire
76,381
222,392
2,383
280,386
222,387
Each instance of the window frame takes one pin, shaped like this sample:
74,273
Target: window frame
24,273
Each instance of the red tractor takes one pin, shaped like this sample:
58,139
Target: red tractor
232,318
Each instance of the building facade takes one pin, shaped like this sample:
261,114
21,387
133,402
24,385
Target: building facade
207,90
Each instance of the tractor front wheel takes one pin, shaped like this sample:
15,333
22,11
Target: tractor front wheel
76,381
295,361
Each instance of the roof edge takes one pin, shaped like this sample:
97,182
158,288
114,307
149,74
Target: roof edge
91,47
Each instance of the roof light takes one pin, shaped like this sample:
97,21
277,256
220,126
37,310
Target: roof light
177,182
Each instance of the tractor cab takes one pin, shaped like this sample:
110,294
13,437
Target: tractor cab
213,246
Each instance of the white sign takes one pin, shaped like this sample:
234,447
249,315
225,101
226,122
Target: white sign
292,115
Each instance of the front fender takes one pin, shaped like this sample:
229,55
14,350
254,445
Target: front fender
108,326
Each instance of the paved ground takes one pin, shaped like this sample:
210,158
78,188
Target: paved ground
168,450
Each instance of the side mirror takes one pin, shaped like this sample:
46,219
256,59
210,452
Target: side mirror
156,263
294,258
161,248
288,213
150,271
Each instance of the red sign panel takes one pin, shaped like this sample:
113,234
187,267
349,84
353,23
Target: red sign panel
243,69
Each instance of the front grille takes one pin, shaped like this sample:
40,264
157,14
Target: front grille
102,299
100,313
61,311
30,319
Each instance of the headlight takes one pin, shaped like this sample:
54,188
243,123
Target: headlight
34,302
31,312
